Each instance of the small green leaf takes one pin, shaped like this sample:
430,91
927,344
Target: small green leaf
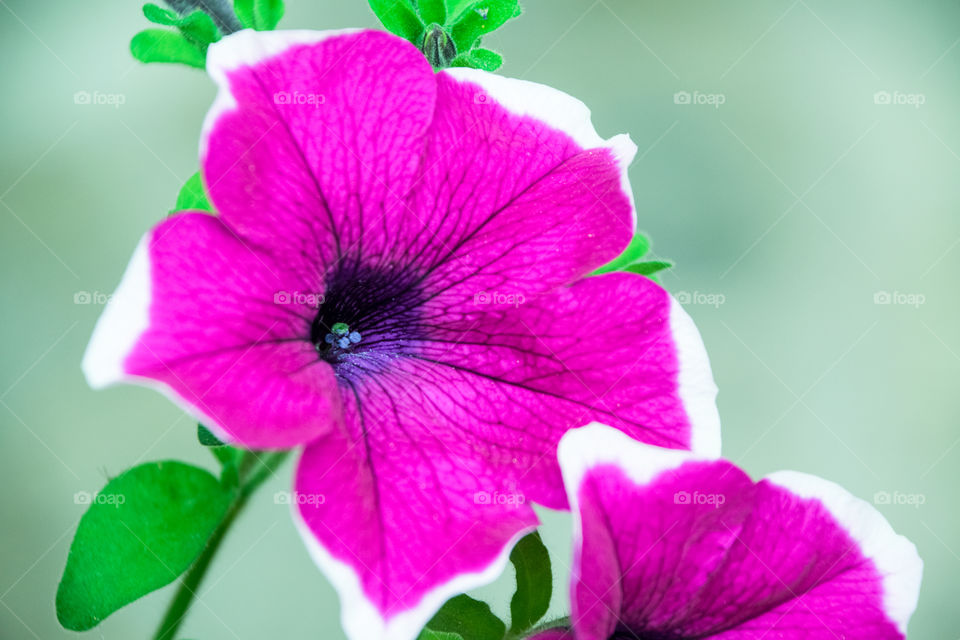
429,634
649,268
534,583
479,59
192,197
159,45
197,26
481,18
399,17
432,11
637,248
468,618
206,437
262,15
142,531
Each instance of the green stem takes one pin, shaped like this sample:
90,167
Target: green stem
187,591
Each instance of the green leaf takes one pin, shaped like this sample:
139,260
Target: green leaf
142,531
534,583
638,247
160,45
399,17
193,197
206,437
429,634
479,19
649,268
479,59
432,11
262,15
197,26
468,618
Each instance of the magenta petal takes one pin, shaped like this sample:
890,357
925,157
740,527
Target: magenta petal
518,192
313,137
196,315
669,544
614,348
398,514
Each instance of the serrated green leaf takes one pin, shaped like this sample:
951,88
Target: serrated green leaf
159,45
432,11
262,15
638,247
398,17
531,600
479,19
193,197
468,618
479,59
649,268
142,531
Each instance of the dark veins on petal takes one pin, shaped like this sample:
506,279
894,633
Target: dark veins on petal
623,633
369,316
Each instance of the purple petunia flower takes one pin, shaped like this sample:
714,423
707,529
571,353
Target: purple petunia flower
397,280
672,545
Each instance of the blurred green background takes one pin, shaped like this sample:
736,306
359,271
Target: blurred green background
814,222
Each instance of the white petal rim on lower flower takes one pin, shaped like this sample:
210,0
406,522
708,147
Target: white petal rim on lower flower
360,618
894,556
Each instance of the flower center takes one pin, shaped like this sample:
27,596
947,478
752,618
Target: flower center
367,315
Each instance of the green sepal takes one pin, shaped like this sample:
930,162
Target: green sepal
432,11
649,268
262,15
141,531
638,247
479,19
192,196
438,47
160,45
468,618
479,59
398,17
531,600
206,437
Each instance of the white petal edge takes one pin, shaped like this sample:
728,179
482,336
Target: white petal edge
124,319
558,110
248,48
894,556
696,387
360,618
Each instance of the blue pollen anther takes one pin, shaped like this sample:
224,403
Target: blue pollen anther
341,336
